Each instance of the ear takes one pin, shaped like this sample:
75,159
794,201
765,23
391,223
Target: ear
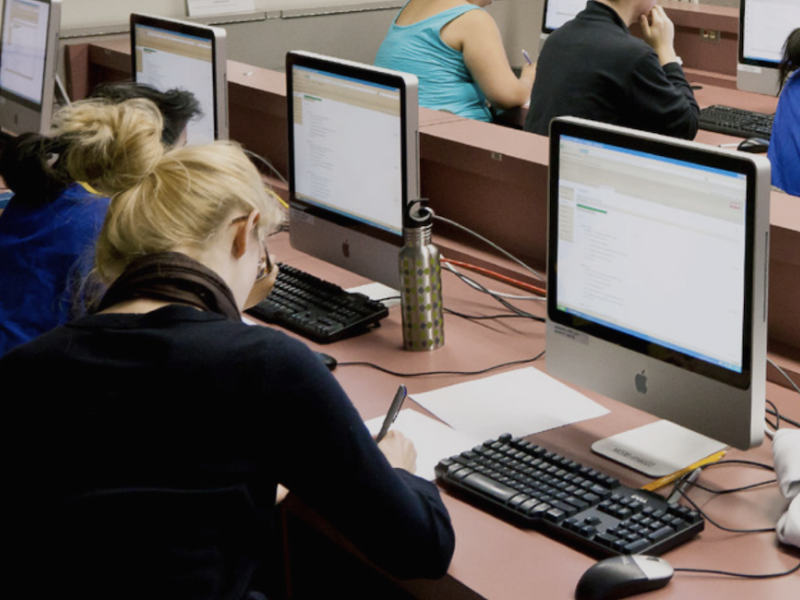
244,234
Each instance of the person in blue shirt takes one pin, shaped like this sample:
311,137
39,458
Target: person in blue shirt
48,229
784,145
455,49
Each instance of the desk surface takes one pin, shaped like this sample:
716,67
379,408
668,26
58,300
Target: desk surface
496,560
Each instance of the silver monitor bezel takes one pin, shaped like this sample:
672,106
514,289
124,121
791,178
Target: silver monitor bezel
353,245
726,407
20,115
754,75
217,36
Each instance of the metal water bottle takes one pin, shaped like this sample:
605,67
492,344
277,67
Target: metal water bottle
420,284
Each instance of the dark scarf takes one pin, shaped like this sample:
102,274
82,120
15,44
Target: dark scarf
172,277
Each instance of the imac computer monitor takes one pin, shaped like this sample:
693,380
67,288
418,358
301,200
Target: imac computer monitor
764,26
353,161
558,12
657,279
174,54
28,54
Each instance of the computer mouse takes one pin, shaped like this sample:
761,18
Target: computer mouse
327,360
623,576
754,145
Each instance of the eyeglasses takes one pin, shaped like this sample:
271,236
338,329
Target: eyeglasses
265,262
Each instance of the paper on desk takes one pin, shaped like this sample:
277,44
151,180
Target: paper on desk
432,439
519,402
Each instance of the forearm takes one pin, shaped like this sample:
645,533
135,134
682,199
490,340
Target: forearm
666,54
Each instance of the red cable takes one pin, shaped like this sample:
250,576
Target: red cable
498,276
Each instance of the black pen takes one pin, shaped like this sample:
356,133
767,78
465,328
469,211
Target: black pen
397,403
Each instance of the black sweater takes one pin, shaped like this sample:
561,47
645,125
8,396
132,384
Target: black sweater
146,450
591,67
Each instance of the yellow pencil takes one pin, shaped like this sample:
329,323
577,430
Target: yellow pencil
666,480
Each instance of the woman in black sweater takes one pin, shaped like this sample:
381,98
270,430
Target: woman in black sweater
153,435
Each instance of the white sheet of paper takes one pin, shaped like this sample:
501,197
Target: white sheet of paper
433,440
520,402
205,8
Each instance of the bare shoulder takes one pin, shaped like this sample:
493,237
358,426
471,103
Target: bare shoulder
470,26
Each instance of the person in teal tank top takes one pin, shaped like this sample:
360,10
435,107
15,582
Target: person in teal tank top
455,49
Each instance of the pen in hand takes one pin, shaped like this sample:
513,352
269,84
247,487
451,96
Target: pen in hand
397,403
527,57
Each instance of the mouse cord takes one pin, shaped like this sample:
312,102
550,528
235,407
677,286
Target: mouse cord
722,527
728,462
794,569
425,373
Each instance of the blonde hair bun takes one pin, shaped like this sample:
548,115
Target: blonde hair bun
112,146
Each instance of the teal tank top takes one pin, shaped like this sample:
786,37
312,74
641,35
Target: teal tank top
445,83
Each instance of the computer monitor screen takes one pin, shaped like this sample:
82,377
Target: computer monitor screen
171,54
657,274
558,12
28,53
353,161
764,26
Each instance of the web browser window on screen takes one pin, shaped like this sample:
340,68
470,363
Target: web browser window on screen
166,60
655,248
25,25
348,147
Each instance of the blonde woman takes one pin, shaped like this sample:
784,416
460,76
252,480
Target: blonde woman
455,49
154,433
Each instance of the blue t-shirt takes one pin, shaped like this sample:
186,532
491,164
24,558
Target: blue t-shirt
39,248
445,83
784,145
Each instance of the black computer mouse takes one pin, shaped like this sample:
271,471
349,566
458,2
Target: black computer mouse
623,576
327,360
754,145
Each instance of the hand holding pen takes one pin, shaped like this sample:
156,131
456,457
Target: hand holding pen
397,448
394,409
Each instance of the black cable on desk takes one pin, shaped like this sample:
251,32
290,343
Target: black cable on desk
740,575
744,488
426,373
498,298
450,311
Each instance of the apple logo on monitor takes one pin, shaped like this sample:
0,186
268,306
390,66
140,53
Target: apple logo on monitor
641,382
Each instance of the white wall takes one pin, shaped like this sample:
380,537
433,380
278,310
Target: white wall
344,28
350,29
87,13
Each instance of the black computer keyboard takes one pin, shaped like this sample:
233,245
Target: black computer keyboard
591,511
736,122
318,310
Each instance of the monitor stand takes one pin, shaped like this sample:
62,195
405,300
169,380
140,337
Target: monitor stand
657,449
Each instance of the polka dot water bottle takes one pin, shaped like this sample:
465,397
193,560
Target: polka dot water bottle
421,290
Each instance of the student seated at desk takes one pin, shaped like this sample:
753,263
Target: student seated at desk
784,145
48,230
152,435
455,50
592,67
